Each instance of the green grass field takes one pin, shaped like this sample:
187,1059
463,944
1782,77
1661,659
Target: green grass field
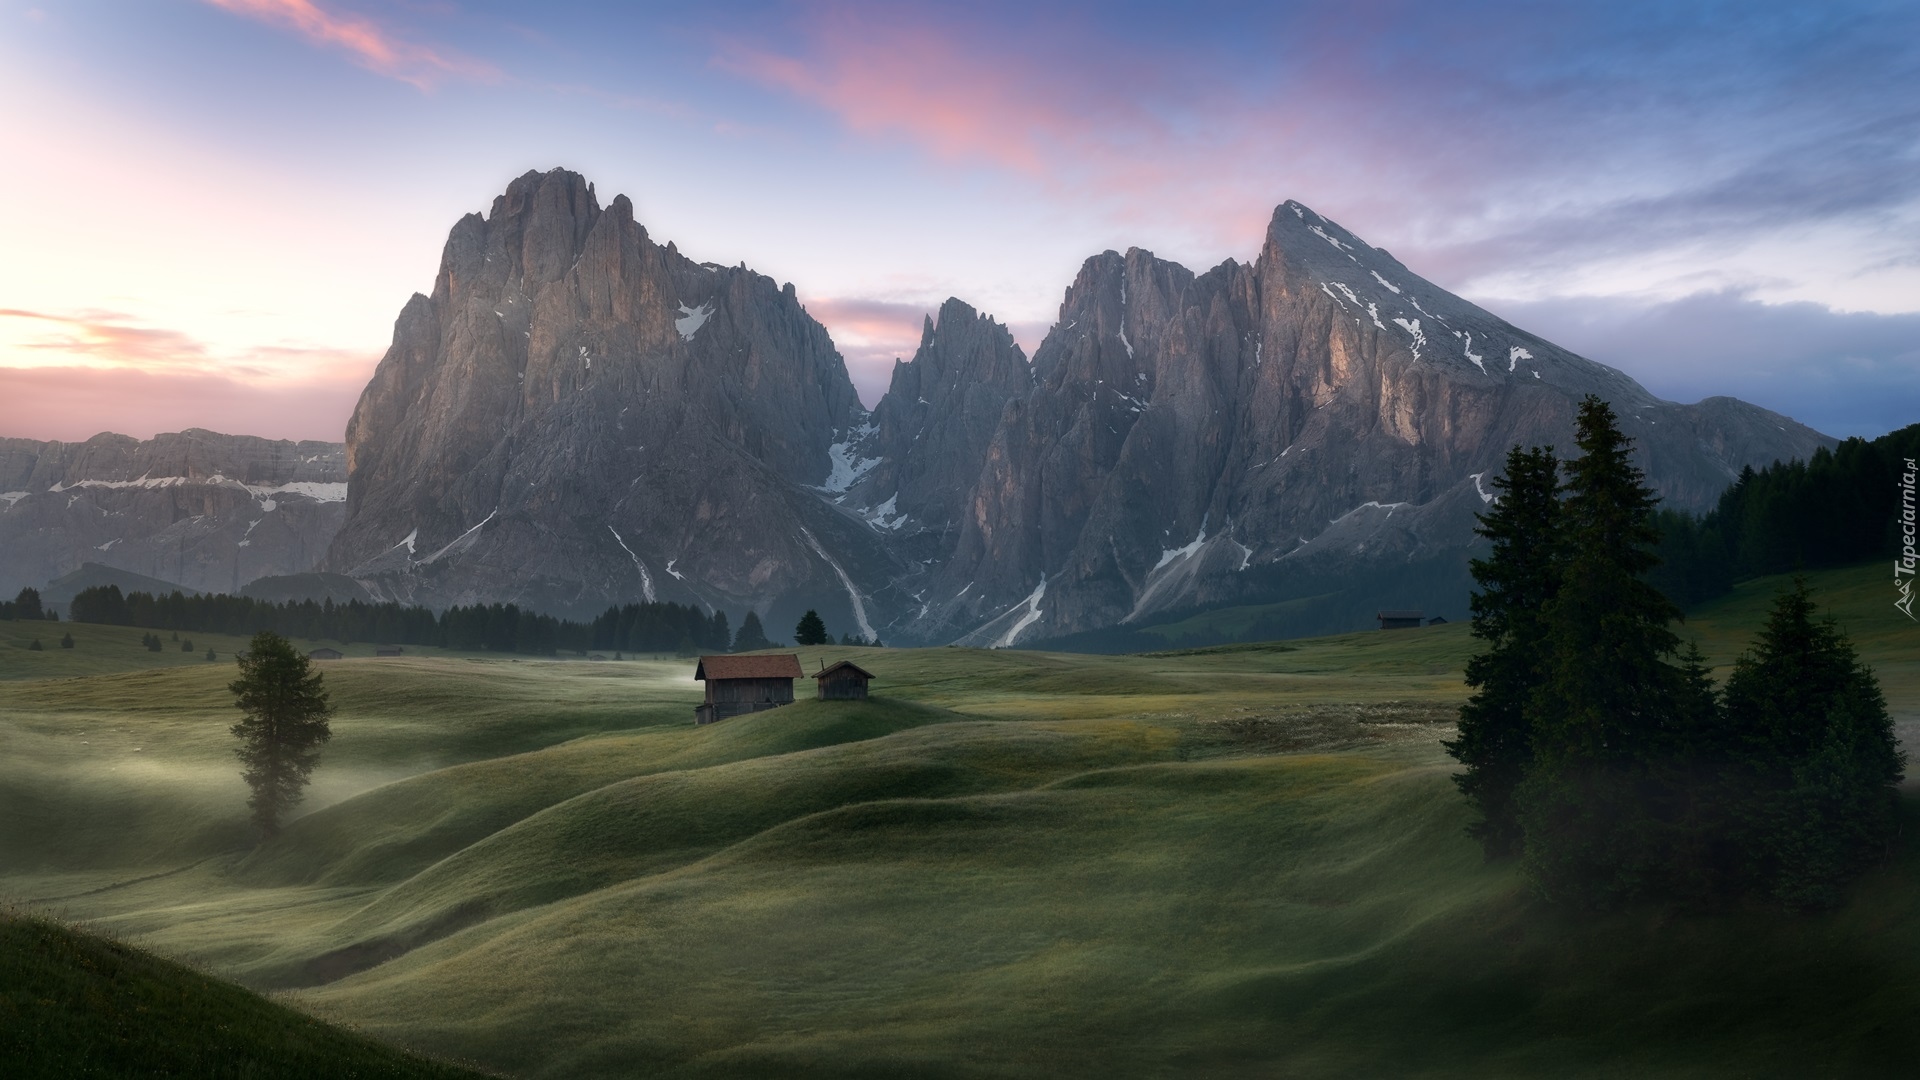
1239,861
74,1005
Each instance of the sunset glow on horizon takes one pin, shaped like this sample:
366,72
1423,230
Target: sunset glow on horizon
220,206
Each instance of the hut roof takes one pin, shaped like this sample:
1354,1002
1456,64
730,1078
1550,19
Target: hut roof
1401,614
849,665
782,666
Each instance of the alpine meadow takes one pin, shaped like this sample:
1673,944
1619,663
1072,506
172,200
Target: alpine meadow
991,541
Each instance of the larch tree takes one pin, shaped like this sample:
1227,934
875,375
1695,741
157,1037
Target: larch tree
1517,580
286,709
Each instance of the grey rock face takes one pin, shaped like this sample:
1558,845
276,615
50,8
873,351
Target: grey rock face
579,416
913,467
1191,441
208,511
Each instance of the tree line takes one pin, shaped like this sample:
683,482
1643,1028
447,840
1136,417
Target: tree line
1838,508
26,606
508,628
1598,751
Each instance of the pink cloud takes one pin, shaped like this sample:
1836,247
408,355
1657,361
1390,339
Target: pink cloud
76,403
1146,136
100,371
108,336
1175,144
371,46
872,334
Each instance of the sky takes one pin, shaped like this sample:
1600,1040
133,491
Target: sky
216,208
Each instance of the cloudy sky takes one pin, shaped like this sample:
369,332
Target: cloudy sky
215,208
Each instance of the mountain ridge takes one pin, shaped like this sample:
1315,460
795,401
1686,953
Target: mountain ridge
207,510
577,415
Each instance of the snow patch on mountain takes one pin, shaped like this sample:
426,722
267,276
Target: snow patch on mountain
690,320
1032,615
1185,550
1412,327
853,594
849,466
646,579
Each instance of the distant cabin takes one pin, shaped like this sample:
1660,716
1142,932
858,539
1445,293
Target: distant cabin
744,684
1400,620
388,650
844,681
1437,620
325,654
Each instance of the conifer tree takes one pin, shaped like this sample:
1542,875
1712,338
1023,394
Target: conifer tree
1817,756
1611,712
1517,580
27,604
752,635
811,630
286,709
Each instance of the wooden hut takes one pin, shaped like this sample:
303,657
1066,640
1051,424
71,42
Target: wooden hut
744,684
844,681
324,653
1400,620
388,650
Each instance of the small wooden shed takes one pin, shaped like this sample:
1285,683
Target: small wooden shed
324,653
1400,620
844,681
744,684
388,650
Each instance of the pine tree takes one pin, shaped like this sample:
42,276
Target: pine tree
27,605
66,640
286,709
751,636
1817,755
1517,580
1612,715
811,630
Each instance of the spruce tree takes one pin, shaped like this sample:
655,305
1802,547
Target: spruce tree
286,709
27,605
1816,755
811,630
752,635
1517,580
1611,713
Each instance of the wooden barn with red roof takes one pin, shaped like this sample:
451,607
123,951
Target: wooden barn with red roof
745,684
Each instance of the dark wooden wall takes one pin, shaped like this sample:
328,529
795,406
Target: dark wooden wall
722,691
842,686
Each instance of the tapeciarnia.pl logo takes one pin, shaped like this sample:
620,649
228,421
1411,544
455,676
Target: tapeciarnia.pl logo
1904,565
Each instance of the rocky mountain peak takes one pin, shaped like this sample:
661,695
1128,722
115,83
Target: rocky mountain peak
573,389
929,435
579,415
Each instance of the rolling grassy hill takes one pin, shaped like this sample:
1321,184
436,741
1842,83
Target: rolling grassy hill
73,1005
1245,860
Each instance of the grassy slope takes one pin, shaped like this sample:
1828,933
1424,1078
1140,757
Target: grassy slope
76,1005
1238,861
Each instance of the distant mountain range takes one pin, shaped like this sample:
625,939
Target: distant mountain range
196,509
579,415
